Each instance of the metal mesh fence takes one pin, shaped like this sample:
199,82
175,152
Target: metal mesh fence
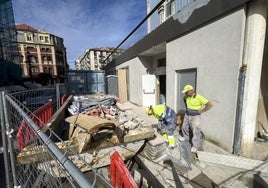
34,98
38,162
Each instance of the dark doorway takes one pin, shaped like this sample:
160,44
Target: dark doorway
162,81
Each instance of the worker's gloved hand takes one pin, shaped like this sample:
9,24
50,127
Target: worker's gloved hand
171,141
165,136
163,120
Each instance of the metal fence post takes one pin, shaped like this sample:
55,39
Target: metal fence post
8,181
58,95
9,141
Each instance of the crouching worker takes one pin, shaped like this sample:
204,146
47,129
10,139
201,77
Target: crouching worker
167,121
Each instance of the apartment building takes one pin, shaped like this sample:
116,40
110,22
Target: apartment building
41,53
96,58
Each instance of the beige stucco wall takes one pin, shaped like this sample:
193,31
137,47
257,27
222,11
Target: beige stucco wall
216,51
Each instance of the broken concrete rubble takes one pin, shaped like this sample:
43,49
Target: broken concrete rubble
88,133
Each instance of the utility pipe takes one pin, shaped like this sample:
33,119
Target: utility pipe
242,77
252,57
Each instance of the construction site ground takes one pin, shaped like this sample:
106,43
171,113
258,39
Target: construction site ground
214,166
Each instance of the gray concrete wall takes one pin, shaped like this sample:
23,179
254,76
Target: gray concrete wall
137,68
216,51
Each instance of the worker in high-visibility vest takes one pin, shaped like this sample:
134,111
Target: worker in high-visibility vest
167,121
195,106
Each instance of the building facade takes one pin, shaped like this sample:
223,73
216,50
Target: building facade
96,58
10,72
218,46
167,9
8,50
41,53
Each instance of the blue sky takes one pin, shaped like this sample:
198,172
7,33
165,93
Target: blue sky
83,24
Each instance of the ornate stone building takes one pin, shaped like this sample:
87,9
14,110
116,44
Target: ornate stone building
41,53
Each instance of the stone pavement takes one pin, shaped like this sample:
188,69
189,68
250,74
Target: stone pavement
215,167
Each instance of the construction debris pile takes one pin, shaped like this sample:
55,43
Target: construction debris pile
103,108
97,126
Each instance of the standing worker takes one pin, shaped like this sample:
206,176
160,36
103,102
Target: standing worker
195,106
167,121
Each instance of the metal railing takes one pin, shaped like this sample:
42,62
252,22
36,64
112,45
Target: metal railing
52,166
35,98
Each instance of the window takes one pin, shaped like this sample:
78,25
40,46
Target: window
161,14
49,59
43,38
44,59
170,8
32,59
46,39
161,62
30,48
34,69
29,37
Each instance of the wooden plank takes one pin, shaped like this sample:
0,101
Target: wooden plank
82,143
96,158
122,85
88,122
92,133
31,154
59,115
139,134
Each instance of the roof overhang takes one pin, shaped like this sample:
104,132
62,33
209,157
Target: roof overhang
176,26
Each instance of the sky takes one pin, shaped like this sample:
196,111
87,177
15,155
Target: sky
83,24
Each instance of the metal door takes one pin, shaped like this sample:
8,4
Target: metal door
187,76
149,90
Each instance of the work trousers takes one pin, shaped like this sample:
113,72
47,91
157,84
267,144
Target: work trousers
166,128
191,125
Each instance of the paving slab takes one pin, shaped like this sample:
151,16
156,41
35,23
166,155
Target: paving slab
216,167
232,161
